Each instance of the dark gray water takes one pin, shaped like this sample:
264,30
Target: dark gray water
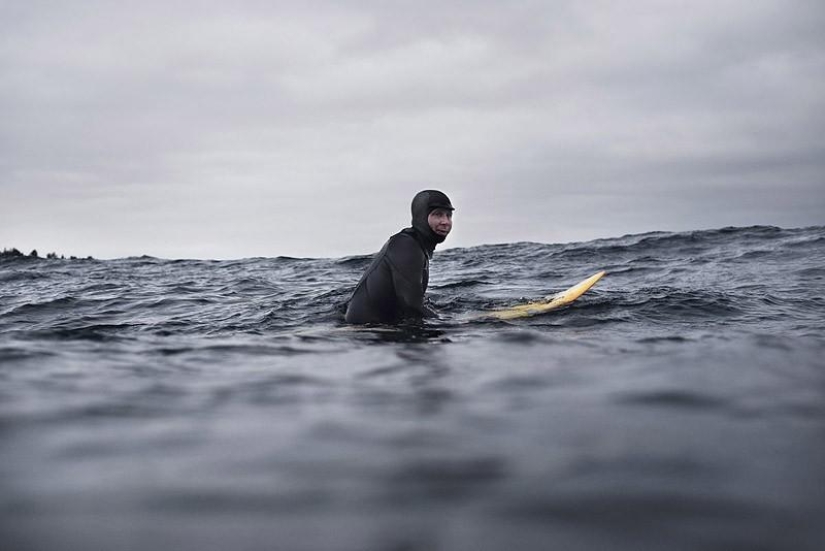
200,405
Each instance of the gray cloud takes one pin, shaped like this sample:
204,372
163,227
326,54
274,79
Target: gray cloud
270,128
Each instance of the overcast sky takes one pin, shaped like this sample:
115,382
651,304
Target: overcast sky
234,129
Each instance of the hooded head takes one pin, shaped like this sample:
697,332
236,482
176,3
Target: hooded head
422,205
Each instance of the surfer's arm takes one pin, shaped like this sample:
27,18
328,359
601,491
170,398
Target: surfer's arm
406,261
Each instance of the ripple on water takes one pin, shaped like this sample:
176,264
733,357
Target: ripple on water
673,398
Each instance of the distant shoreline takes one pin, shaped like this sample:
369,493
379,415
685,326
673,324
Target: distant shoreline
15,253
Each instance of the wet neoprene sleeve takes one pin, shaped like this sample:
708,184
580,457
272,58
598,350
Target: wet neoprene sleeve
408,265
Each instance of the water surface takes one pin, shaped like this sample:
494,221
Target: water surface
190,404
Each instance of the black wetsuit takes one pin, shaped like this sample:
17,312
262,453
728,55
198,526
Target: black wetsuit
393,286
392,289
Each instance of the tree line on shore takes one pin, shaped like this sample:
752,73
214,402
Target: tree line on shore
15,253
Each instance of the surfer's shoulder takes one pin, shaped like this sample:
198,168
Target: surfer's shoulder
404,248
403,240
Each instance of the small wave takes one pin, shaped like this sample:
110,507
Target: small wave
20,352
628,509
673,399
49,306
463,284
355,261
664,339
676,304
95,332
520,337
22,276
813,272
444,478
221,499
807,241
674,244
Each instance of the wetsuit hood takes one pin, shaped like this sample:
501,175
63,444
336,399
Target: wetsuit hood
422,205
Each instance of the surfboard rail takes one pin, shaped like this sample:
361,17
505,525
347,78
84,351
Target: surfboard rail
549,303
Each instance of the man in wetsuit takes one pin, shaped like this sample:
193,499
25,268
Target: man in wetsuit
392,289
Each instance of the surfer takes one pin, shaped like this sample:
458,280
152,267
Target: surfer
392,288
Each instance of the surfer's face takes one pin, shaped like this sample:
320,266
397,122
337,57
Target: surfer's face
441,221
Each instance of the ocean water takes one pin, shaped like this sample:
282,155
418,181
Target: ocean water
200,405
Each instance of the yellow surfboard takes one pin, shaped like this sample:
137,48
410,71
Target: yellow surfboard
548,304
